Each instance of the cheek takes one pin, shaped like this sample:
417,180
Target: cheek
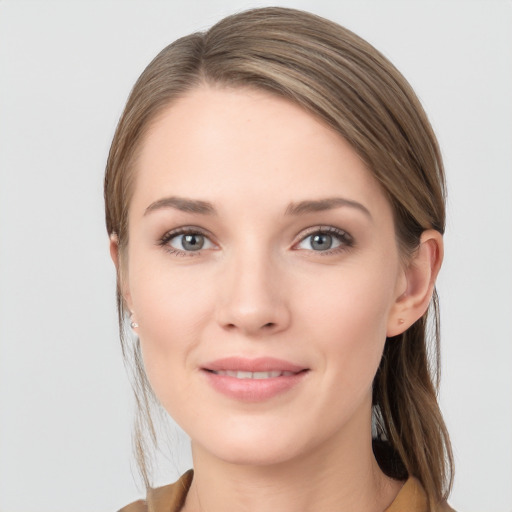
350,316
355,298
172,311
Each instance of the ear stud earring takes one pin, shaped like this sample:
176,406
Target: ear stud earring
133,324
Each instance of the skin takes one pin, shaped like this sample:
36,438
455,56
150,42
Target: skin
259,288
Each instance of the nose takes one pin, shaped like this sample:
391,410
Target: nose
252,296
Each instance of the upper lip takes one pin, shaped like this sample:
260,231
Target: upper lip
260,364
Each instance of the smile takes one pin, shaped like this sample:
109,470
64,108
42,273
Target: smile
253,380
253,375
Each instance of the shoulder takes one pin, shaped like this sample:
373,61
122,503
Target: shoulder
169,498
412,498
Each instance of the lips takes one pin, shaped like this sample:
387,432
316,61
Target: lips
253,380
253,375
261,364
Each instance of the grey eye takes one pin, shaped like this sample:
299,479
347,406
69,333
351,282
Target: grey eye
320,242
190,242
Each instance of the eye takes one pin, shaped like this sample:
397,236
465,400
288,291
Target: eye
326,240
185,242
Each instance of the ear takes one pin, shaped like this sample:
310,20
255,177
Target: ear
420,275
122,282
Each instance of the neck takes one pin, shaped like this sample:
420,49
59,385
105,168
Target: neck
341,476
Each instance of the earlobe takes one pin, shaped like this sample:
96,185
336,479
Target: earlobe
421,274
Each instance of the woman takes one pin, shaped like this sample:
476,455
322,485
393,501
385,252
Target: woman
275,204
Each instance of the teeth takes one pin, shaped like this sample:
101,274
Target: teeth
253,375
266,375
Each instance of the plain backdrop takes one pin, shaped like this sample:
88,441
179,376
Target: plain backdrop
66,69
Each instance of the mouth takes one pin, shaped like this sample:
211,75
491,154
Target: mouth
252,375
253,380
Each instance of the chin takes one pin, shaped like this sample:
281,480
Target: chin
264,449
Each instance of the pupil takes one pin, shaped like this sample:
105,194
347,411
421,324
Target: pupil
193,242
321,241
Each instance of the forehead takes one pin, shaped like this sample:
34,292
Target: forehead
225,145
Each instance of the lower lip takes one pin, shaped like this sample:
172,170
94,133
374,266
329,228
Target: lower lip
253,390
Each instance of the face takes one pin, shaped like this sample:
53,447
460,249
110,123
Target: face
263,271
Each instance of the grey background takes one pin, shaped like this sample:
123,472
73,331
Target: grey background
65,71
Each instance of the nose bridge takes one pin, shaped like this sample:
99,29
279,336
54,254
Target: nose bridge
251,300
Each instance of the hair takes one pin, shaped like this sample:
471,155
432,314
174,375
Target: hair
342,80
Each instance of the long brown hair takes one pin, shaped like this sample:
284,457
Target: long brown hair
344,81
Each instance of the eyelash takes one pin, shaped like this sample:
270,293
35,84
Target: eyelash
345,239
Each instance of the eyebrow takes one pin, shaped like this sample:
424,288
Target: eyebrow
182,204
300,208
321,205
